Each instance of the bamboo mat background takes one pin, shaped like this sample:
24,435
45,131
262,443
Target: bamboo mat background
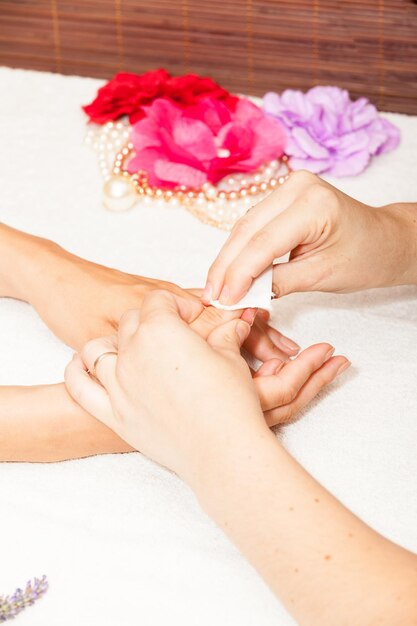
250,46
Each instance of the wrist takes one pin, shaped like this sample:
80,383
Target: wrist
227,470
399,226
24,259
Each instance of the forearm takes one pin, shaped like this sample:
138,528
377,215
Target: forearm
44,424
23,259
399,241
319,558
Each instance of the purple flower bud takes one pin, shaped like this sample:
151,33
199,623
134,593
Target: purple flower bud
10,606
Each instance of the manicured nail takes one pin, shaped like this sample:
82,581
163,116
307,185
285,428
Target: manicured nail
343,367
249,315
207,293
242,330
290,344
328,355
224,295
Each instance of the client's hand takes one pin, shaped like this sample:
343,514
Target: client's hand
80,300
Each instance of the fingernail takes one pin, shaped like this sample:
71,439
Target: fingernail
343,367
224,295
242,330
249,315
207,293
328,355
290,344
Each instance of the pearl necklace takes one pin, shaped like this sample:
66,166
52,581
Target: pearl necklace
219,205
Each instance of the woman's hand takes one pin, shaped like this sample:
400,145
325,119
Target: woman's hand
80,300
335,243
170,393
190,405
167,383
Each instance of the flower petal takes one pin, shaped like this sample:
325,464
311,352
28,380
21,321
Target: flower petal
350,166
308,144
195,137
312,165
179,173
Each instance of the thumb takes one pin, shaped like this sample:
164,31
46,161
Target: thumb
297,275
210,318
230,336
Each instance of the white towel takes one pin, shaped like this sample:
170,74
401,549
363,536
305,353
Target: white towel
122,541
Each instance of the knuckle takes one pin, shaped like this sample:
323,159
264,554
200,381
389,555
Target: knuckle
288,394
212,316
242,227
320,196
90,347
260,239
303,177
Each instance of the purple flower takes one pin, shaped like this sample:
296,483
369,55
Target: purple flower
10,606
328,132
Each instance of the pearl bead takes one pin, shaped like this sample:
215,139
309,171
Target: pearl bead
119,193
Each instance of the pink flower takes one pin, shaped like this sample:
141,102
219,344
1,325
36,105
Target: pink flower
203,143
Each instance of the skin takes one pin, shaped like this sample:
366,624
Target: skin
321,560
335,243
79,300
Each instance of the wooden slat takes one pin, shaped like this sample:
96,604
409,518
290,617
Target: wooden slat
366,46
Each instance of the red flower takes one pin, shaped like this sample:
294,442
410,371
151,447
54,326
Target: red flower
126,93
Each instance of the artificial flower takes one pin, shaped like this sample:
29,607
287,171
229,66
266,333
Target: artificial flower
127,93
328,132
202,143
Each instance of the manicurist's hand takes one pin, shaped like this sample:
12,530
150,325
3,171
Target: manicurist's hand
190,404
335,243
177,397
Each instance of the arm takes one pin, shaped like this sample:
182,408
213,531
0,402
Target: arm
317,557
44,424
79,300
324,563
335,243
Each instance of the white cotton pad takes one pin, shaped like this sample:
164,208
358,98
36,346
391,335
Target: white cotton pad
258,296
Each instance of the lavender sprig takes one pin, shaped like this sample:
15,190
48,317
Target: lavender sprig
10,606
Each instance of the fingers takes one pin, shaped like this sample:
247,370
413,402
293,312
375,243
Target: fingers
317,381
274,240
260,345
269,368
166,305
299,274
244,230
128,326
287,345
279,390
88,392
210,318
99,357
230,336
